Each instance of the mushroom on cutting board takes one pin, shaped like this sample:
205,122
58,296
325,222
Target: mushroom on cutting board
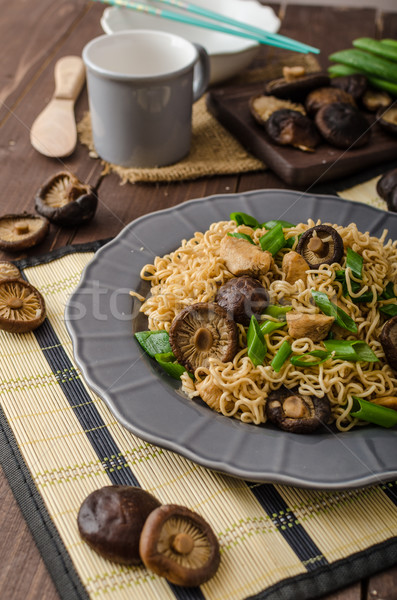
203,331
302,325
22,307
22,231
320,245
242,297
296,412
290,128
178,544
294,266
243,258
8,270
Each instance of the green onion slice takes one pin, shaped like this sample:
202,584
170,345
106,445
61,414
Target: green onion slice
242,218
388,292
154,342
277,311
351,350
268,327
256,343
355,262
331,310
272,224
373,413
389,309
168,363
281,356
242,236
310,359
273,240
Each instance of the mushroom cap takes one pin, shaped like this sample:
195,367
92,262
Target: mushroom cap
324,96
22,307
386,184
296,88
178,544
8,270
342,125
373,100
355,84
320,245
388,339
242,297
111,519
387,119
64,200
290,127
203,331
21,231
261,107
295,412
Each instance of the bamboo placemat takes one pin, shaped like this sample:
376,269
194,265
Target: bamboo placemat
59,442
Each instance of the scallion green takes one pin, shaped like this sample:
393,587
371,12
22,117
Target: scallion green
154,342
373,413
331,310
272,224
389,309
168,363
256,344
268,327
281,356
273,240
242,236
242,218
277,311
354,262
351,350
310,359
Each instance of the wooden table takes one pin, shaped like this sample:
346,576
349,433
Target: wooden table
34,34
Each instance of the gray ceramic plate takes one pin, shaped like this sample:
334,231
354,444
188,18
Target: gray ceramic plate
101,317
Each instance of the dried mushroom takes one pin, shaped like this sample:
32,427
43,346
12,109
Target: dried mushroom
290,127
296,83
320,245
387,119
8,270
355,85
387,189
342,125
242,297
203,331
324,96
110,521
64,200
22,307
388,339
22,231
262,107
178,544
295,412
373,100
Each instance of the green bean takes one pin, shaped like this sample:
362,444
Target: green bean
367,63
376,47
340,70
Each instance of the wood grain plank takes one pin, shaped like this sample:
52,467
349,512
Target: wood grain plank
383,586
352,592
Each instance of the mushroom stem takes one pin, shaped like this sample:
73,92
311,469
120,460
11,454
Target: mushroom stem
21,228
14,302
203,339
182,543
317,246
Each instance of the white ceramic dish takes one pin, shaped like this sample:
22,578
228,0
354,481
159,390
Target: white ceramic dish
229,54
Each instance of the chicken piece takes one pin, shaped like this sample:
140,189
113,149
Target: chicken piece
211,395
294,266
243,258
301,325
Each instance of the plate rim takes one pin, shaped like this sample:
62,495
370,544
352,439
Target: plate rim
214,464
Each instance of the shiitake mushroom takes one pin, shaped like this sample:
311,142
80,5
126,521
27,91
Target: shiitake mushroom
22,231
8,270
262,107
320,245
386,188
342,125
388,339
387,119
321,97
296,83
242,297
355,85
290,127
22,307
374,100
65,200
296,412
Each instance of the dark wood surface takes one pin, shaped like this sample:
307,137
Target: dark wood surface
33,36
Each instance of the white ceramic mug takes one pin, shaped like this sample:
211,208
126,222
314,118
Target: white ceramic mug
141,87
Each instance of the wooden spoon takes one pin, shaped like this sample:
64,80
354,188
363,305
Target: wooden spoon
54,131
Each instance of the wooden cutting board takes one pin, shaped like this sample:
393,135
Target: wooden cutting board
230,106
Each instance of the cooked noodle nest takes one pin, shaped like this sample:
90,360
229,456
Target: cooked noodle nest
194,272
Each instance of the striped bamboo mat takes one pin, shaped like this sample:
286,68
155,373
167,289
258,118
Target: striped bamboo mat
59,442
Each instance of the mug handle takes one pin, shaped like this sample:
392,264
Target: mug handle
201,76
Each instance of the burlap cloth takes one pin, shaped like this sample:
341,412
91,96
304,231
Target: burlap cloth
214,151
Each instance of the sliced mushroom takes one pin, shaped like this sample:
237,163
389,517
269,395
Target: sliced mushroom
211,395
373,100
203,331
178,544
388,339
295,412
320,245
243,258
262,107
387,119
242,297
8,270
303,325
111,519
21,231
327,95
22,307
355,85
294,266
342,125
296,83
290,128
64,200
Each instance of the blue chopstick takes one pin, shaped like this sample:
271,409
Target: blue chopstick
264,38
